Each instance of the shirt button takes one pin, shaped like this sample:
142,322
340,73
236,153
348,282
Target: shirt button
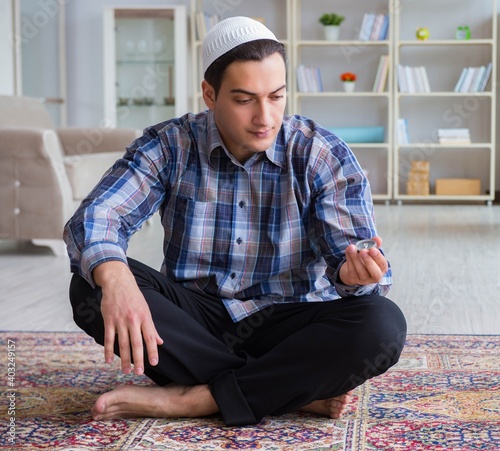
241,204
233,275
239,241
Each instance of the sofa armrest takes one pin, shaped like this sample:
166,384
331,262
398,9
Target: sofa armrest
83,141
35,194
84,171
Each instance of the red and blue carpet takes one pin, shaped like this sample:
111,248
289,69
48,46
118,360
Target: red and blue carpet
444,395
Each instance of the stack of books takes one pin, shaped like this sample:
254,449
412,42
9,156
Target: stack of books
309,79
473,79
413,79
374,27
381,77
453,136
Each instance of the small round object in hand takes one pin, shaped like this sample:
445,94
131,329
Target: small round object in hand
365,244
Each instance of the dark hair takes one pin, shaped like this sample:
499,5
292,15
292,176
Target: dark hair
249,51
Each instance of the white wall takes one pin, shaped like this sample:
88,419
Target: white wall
7,50
84,49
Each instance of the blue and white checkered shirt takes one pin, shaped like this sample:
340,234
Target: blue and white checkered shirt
273,229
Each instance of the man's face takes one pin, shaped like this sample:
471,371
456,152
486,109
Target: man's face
250,105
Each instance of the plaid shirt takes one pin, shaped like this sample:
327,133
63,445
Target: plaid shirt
273,229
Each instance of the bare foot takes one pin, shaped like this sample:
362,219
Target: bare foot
131,401
332,408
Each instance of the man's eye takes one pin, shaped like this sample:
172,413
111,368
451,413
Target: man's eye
243,101
278,97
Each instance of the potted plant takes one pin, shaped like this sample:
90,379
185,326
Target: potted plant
331,23
349,81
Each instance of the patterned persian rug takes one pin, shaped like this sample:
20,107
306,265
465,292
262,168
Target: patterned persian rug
443,395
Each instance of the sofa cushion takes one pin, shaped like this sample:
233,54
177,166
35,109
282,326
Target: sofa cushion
84,171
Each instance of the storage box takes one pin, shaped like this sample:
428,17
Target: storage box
360,134
458,187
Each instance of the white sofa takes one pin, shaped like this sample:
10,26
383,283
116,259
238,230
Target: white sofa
45,172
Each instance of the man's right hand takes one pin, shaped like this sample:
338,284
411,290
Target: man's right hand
127,316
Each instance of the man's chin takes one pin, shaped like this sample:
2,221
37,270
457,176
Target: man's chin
260,145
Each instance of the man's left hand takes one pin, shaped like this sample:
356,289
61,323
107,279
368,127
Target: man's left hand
364,267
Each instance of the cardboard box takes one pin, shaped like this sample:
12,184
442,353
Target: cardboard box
458,187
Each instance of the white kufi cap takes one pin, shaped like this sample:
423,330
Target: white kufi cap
228,34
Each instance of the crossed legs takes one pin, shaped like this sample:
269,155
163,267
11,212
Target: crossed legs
286,357
173,401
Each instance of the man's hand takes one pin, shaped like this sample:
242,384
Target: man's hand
127,316
364,267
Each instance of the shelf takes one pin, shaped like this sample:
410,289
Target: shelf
323,43
342,94
154,105
368,145
445,146
442,55
145,52
335,108
445,94
141,62
447,42
445,59
383,197
435,197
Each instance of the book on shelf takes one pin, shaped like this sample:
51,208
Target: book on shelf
473,79
412,79
453,136
374,27
381,76
403,135
204,22
309,79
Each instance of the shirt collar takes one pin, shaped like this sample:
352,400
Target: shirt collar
214,139
275,153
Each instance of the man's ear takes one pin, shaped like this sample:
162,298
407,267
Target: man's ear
208,94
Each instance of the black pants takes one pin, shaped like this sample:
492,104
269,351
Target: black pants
276,361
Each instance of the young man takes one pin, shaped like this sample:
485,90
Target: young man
263,305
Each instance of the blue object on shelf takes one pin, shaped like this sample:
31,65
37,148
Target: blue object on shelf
360,134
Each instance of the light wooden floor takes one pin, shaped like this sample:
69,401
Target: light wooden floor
446,262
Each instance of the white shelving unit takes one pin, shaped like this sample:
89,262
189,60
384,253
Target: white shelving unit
444,57
333,108
145,65
275,14
295,22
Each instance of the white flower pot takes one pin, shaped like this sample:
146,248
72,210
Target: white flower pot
331,32
349,86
